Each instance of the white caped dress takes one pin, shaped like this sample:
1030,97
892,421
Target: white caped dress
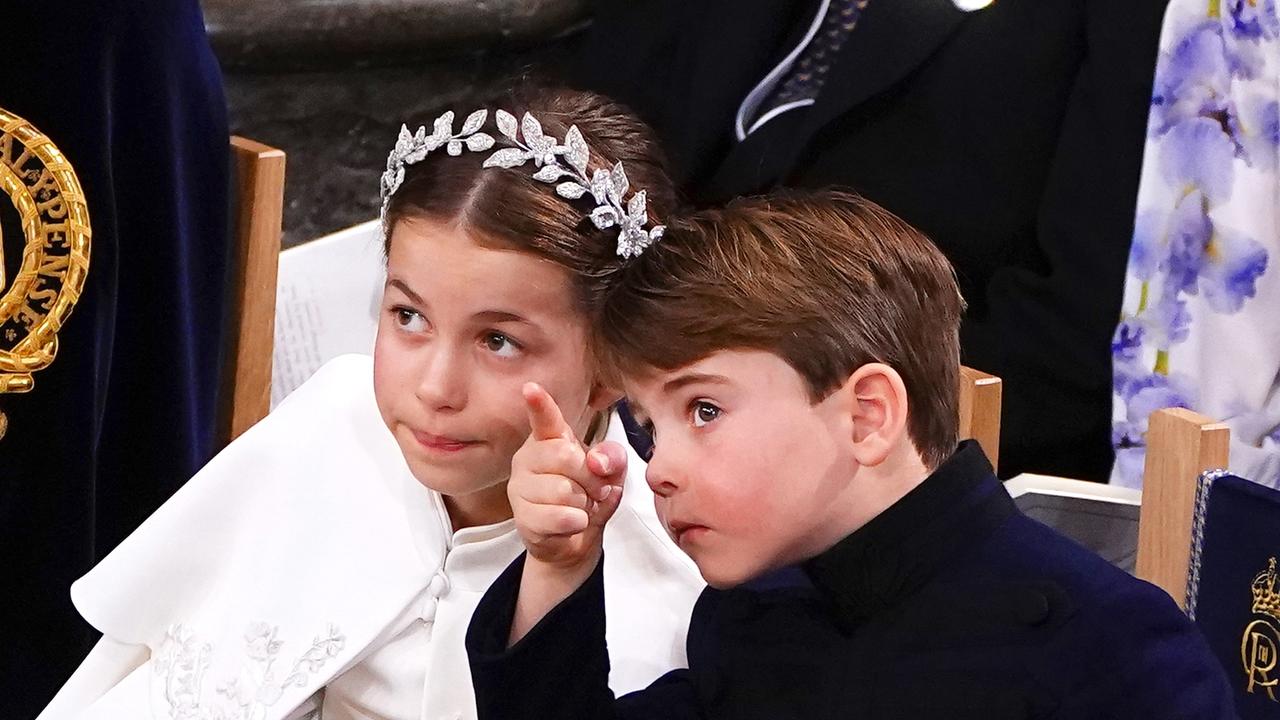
304,572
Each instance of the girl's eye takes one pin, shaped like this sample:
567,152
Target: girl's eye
409,319
501,345
704,413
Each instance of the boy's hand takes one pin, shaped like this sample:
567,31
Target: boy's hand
561,493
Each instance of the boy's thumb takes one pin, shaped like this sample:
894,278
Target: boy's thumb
608,462
604,508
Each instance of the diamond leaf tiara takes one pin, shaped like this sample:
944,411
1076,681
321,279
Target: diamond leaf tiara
561,164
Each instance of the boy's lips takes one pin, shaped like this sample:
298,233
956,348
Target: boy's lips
683,532
442,443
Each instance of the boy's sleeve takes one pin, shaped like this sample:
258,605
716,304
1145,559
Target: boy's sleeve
1158,665
560,669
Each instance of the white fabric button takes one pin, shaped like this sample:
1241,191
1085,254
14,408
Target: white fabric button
428,612
438,586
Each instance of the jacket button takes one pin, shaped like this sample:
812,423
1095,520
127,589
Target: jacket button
1031,608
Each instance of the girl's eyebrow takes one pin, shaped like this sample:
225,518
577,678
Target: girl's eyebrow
499,316
492,316
404,288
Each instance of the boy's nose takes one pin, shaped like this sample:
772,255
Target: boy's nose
663,483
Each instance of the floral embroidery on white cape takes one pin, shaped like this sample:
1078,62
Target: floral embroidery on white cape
1199,326
181,661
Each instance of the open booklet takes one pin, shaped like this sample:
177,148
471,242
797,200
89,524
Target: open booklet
1103,518
327,298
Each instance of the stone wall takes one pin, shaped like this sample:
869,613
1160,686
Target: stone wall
330,83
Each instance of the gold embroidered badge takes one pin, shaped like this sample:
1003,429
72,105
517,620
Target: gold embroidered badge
43,274
1261,639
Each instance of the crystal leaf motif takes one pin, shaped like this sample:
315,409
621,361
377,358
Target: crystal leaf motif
604,217
608,188
550,173
507,124
618,178
636,207
576,151
474,122
479,142
600,184
570,190
443,127
507,158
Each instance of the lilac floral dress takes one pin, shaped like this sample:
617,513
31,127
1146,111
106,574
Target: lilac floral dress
1200,323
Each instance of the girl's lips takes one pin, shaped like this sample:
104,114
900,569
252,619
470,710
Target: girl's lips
442,443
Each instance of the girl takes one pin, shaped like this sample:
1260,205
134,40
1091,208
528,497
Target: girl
327,562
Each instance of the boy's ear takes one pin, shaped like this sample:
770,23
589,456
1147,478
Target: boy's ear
878,406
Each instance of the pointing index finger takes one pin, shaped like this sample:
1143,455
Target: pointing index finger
545,420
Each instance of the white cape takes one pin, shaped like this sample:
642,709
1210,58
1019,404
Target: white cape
284,560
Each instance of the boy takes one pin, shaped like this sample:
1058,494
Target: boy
797,359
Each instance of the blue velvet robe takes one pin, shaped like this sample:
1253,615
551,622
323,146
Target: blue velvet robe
131,93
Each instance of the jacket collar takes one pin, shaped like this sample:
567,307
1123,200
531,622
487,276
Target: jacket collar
902,548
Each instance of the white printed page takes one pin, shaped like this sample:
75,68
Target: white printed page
327,299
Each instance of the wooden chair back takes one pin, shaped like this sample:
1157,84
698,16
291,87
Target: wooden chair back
980,411
245,395
1181,445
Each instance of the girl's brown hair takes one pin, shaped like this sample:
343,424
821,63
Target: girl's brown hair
507,208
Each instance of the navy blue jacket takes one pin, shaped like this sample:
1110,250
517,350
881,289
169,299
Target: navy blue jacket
950,604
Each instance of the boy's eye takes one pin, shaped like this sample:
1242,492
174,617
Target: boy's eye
501,345
409,319
704,413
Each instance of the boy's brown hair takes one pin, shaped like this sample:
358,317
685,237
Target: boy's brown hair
826,280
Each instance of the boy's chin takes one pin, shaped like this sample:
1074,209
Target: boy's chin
725,576
721,584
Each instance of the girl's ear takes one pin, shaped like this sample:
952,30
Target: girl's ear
600,402
606,384
603,397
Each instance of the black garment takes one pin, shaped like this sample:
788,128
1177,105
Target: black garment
804,79
950,604
131,94
1011,135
